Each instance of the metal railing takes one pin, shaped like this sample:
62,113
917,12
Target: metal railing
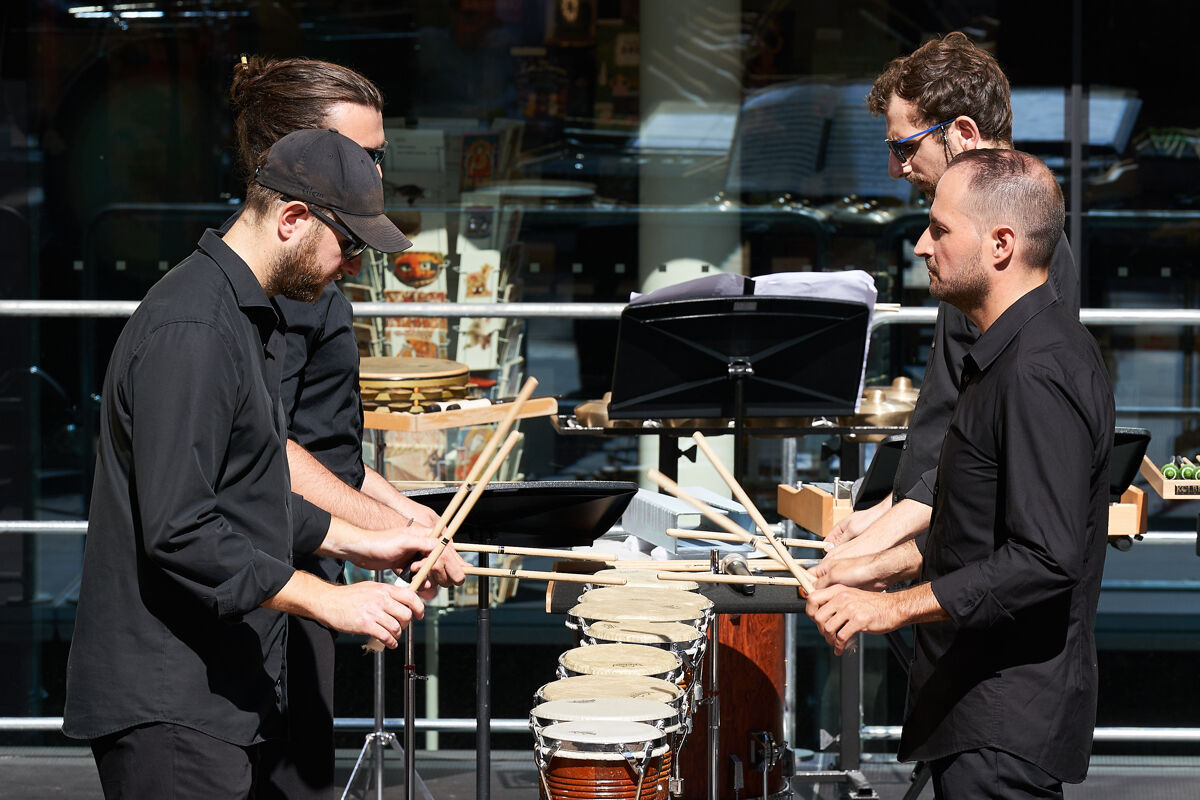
885,315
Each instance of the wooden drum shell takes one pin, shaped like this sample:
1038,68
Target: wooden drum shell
751,675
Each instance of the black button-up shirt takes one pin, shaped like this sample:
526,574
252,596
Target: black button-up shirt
953,336
1016,548
192,523
320,392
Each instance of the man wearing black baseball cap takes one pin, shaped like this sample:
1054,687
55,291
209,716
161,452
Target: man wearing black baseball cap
177,670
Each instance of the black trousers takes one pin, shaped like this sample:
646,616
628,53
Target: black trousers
171,762
300,765
992,774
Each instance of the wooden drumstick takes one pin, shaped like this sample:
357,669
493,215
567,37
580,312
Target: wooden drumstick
544,552
468,504
807,584
535,575
484,455
717,536
671,487
758,580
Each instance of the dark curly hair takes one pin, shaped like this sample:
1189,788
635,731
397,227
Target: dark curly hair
947,78
274,97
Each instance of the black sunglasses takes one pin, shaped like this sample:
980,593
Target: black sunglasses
356,245
377,153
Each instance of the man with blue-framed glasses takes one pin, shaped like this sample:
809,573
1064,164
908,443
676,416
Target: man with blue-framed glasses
947,97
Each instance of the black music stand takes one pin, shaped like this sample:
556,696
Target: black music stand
532,514
739,357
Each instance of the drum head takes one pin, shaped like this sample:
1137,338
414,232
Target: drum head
585,686
648,595
584,709
643,632
378,368
646,577
619,659
602,739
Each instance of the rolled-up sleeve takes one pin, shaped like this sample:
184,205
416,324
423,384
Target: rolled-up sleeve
1046,469
184,386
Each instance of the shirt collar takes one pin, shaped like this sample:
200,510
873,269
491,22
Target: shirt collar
992,343
245,285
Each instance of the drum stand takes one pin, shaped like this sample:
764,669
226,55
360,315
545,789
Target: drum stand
379,739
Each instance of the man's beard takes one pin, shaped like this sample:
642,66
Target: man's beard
965,292
297,274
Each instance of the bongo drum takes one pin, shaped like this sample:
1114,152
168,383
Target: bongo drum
602,759
407,384
620,659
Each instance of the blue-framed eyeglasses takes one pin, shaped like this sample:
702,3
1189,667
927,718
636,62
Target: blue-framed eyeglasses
903,153
355,246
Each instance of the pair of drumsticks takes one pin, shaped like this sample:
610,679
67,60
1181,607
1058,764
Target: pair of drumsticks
769,543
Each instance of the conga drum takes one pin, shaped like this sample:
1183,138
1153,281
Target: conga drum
602,759
751,676
620,659
614,709
408,384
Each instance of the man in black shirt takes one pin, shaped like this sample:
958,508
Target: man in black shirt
1002,689
945,98
176,667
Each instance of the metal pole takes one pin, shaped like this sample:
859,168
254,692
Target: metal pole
432,664
714,699
410,713
790,629
379,735
483,690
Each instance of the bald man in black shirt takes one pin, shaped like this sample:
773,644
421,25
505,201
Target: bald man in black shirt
1002,690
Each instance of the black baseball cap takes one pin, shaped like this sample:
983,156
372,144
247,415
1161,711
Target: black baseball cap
330,170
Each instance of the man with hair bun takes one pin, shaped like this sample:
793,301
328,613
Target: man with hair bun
177,673
945,98
1002,688
320,393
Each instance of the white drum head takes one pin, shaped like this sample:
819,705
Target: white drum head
584,709
655,634
647,577
673,599
584,686
601,740
619,659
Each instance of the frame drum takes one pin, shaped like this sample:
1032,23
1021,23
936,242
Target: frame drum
602,759
620,659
